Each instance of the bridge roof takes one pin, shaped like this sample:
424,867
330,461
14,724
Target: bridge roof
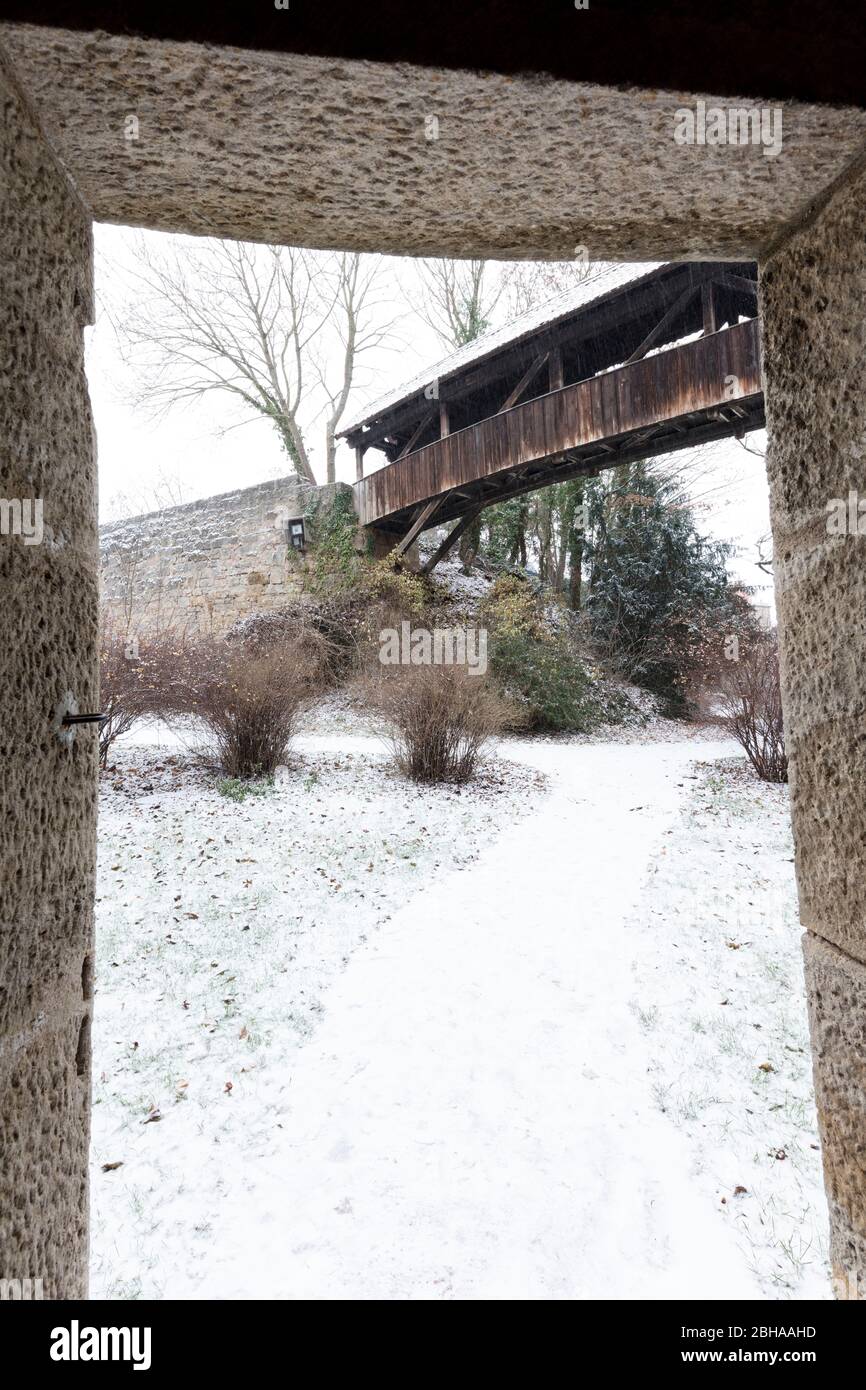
605,282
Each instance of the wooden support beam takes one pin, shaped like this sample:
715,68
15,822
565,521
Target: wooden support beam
444,426
532,370
421,518
359,461
708,308
678,305
736,282
557,380
450,540
415,435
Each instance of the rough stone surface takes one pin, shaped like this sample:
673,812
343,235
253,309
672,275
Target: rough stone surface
200,567
812,293
322,152
49,602
837,1010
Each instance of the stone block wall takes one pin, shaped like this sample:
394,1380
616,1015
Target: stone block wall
200,567
813,289
48,786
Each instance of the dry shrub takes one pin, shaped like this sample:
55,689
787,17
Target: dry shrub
248,697
342,628
388,582
132,678
751,707
440,718
118,690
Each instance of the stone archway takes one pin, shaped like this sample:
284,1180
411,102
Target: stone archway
223,143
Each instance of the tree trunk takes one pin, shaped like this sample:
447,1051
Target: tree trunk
575,560
294,447
469,543
331,452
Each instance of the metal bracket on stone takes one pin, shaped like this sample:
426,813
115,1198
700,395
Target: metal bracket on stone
67,718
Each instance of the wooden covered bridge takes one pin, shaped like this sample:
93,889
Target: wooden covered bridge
636,361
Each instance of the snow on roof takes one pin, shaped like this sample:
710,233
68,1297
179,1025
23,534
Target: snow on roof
562,305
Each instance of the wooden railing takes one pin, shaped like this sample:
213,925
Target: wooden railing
681,381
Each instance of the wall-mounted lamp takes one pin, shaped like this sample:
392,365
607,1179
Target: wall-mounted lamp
297,536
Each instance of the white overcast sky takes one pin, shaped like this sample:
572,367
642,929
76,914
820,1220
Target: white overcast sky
210,448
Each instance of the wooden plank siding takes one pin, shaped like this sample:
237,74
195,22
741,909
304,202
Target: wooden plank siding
684,381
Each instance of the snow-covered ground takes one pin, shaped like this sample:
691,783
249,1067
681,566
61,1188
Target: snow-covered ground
221,928
357,1039
718,993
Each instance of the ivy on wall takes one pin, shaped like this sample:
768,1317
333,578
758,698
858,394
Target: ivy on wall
332,525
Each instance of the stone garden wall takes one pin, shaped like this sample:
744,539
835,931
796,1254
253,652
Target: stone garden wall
200,567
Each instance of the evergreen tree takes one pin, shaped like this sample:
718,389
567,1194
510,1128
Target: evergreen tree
655,586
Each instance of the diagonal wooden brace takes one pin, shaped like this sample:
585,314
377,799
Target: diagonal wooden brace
450,540
421,519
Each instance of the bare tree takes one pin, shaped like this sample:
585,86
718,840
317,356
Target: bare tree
163,491
764,547
360,327
461,299
458,298
529,284
252,322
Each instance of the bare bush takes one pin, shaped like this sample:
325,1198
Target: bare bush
440,718
118,691
751,707
331,628
248,697
132,678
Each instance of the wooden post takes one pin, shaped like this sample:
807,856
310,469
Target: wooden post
554,366
444,425
359,461
708,307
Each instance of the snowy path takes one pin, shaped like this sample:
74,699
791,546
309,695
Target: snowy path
473,1118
